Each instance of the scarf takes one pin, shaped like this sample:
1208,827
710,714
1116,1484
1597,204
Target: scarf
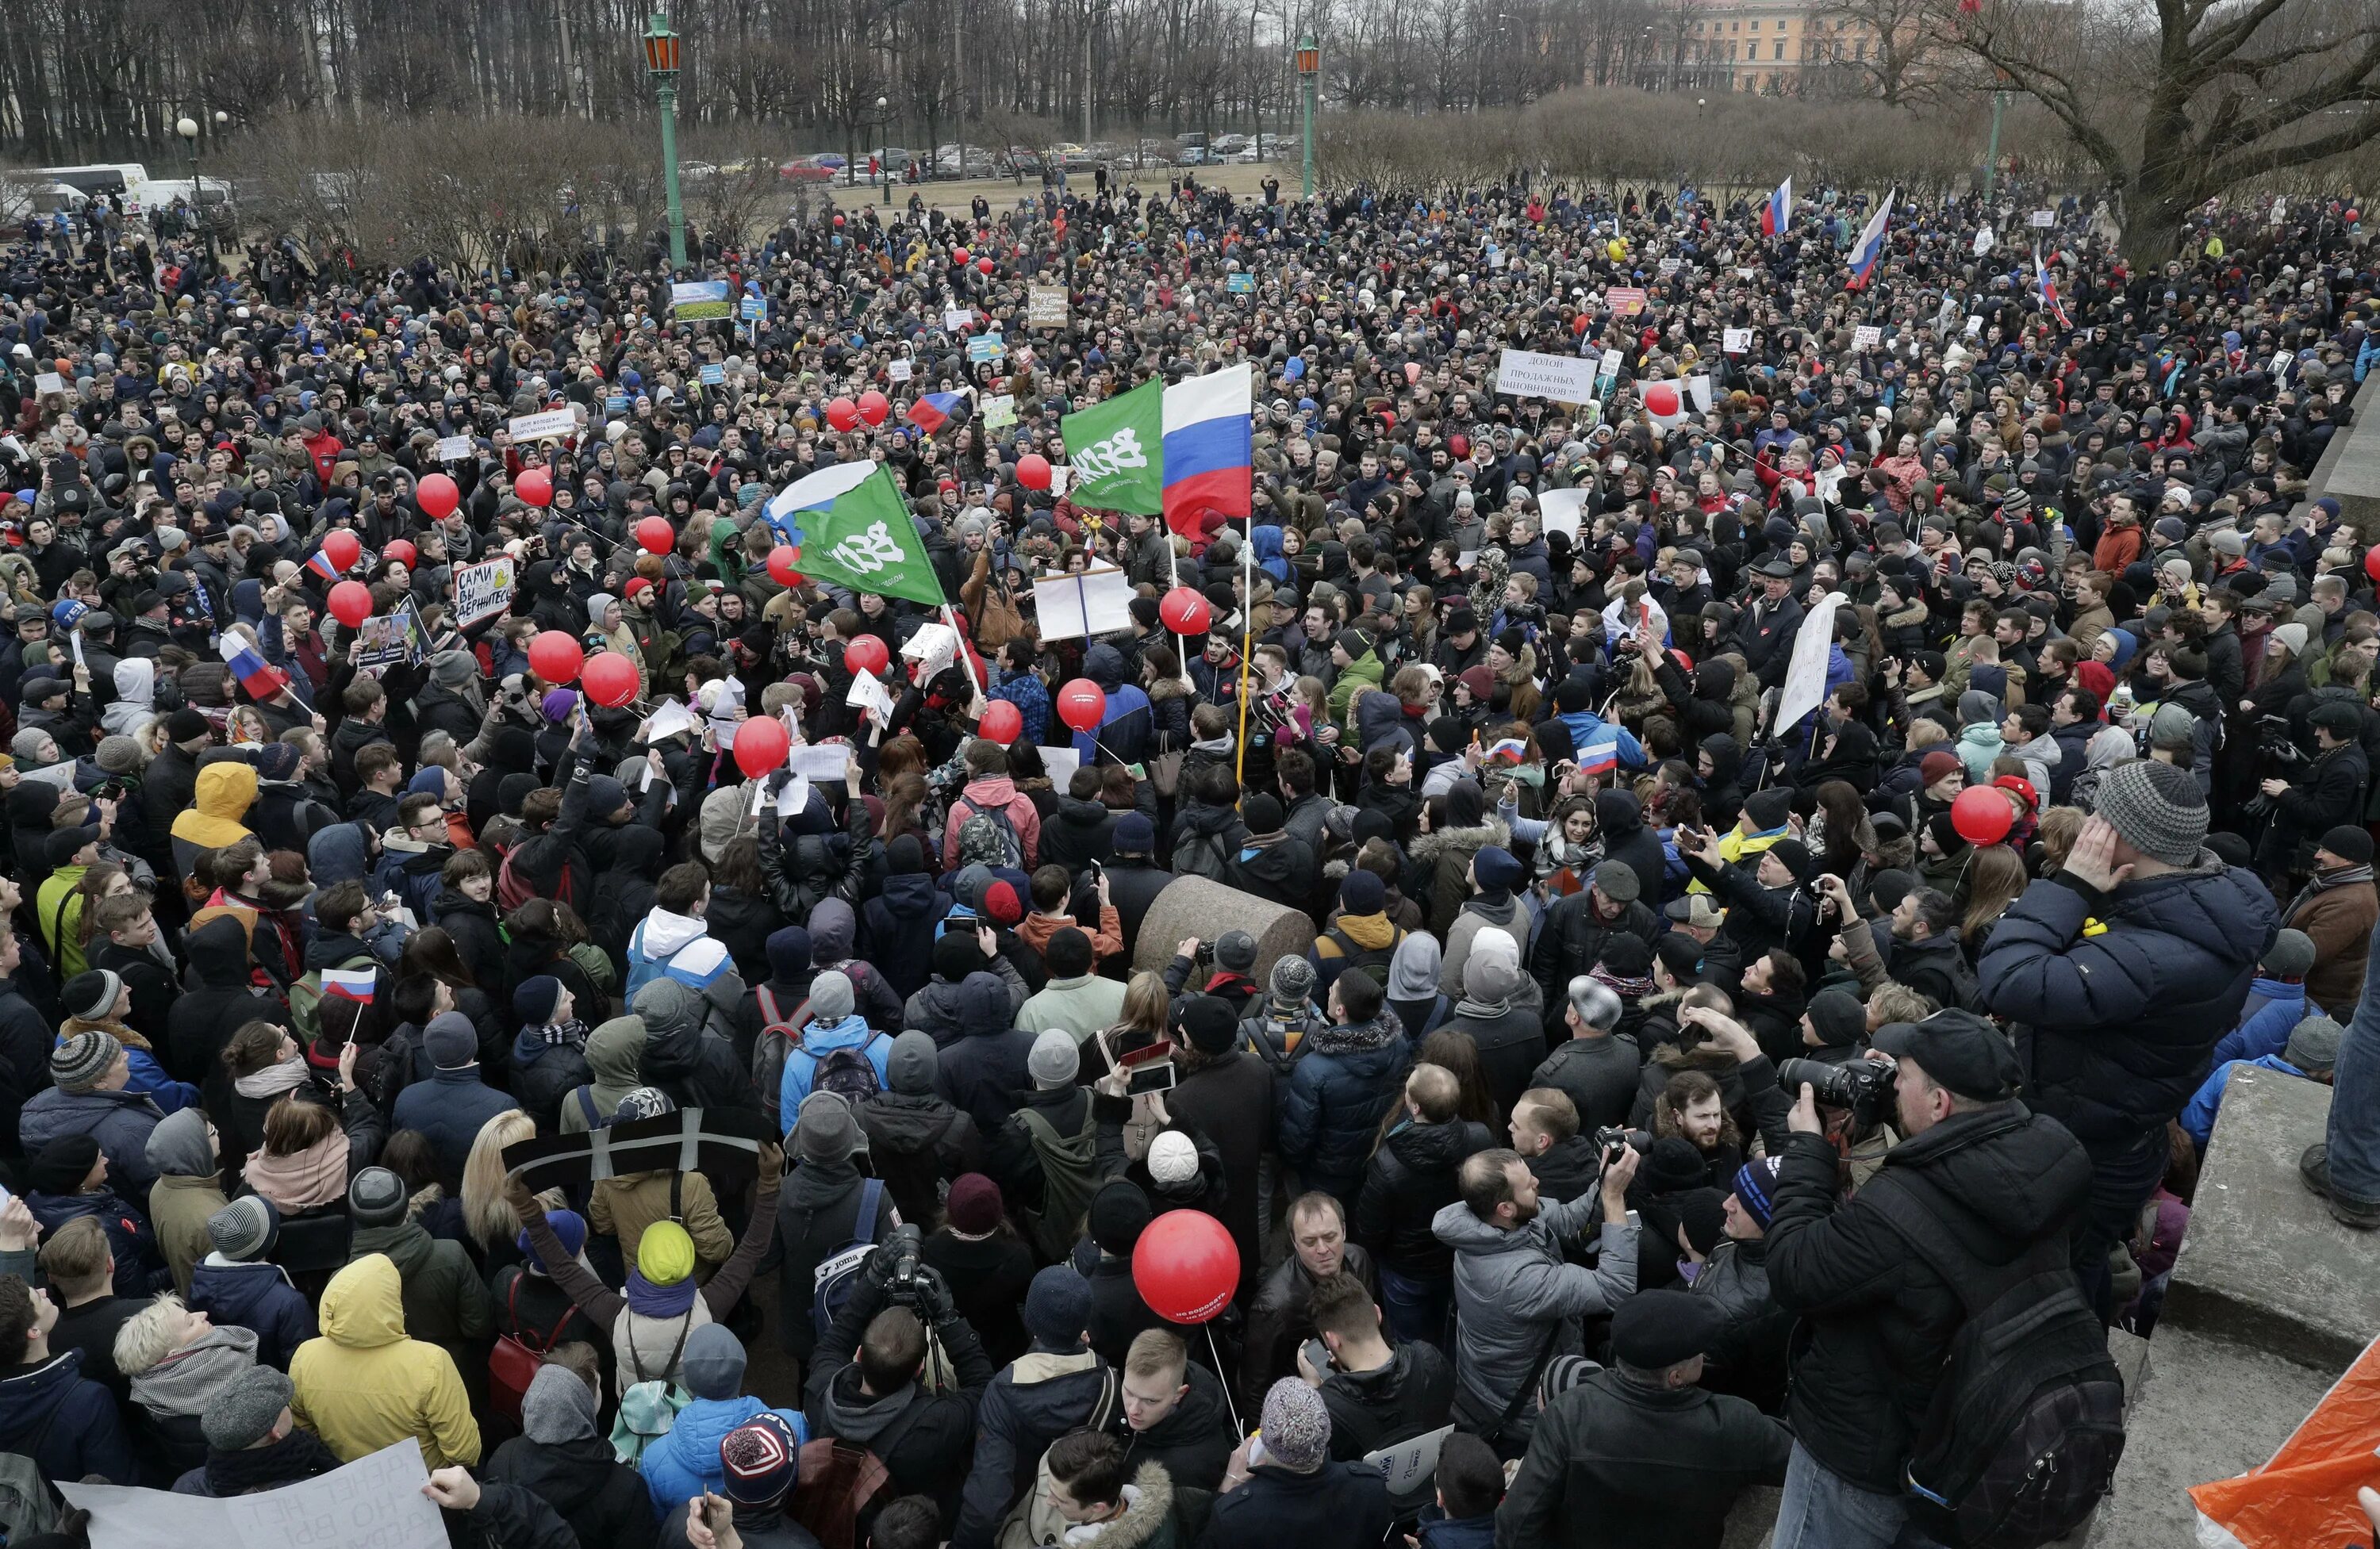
650,1301
287,1075
1627,988
116,1030
2327,881
299,1455
187,1380
317,1175
559,1034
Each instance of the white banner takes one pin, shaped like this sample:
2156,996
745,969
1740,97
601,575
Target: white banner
551,425
372,1503
482,591
1867,336
1805,677
453,449
1565,379
2044,219
1736,341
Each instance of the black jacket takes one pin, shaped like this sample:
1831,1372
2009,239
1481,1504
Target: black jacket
818,1216
1600,1076
603,1499
1032,1401
1229,1100
1411,1178
1340,1506
2323,795
1572,941
1613,1464
1193,1443
1279,1321
1749,1360
1877,1320
1511,1044
1411,1395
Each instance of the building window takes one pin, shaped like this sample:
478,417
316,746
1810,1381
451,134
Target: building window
1780,50
1755,24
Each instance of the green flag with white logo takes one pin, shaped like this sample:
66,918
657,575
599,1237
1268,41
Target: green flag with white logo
1117,449
867,540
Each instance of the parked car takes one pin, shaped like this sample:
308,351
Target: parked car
1227,146
809,169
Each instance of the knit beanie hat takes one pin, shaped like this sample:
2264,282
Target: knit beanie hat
1755,1188
975,1206
643,1102
2155,809
376,1198
2313,1045
243,1411
1206,1023
1057,1307
831,996
666,1253
2349,844
90,995
1934,766
1838,1018
1296,1426
1118,1214
534,1002
569,1229
2290,956
1054,1059
1495,868
451,1041
61,1165
1235,951
824,1130
1363,892
79,1063
121,755
1172,1159
1293,981
243,1231
714,1367
759,1459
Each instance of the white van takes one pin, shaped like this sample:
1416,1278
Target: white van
119,180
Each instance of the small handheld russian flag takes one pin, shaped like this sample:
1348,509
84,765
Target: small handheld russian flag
1777,215
1870,246
259,677
1599,759
321,565
935,410
2047,289
350,984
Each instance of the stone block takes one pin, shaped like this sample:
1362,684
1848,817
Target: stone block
1194,906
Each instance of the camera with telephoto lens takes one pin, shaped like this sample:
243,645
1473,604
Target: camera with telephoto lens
1864,1087
903,1256
2278,758
1612,1137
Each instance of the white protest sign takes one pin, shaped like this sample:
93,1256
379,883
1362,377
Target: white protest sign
1409,1465
1975,324
1746,273
725,701
47,382
794,795
998,411
482,591
1098,602
897,371
870,696
2280,210
1061,477
1045,307
1867,336
1982,240
1060,764
1565,379
1737,341
1667,267
957,317
1561,510
2280,366
453,449
2042,220
819,761
668,721
935,645
372,1503
1609,365
1805,678
550,425
1699,389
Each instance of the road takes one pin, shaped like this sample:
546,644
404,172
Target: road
958,198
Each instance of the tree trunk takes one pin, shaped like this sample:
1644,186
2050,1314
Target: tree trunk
2153,219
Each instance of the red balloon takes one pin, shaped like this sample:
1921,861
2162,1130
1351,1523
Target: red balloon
351,602
1581,324
2371,563
609,678
1033,471
401,550
1185,1266
1186,611
866,655
535,486
960,256
1002,722
983,265
838,220
437,496
874,406
555,655
655,536
1661,399
1982,815
343,549
843,414
760,745
782,560
1082,705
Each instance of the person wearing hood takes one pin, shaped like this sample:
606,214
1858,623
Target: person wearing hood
363,1384
1127,730
689,1049
1059,1384
179,1363
834,928
675,925
1980,737
1414,994
1500,1014
237,1284
452,1107
823,1209
985,1071
136,693
445,1301
562,1459
916,1137
615,1053
897,925
684,1461
834,1026
934,1008
1409,1177
1362,936
990,792
222,793
1346,1077
253,1442
1495,903
188,1191
1356,667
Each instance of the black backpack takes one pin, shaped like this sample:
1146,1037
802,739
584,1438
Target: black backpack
2023,1433
1372,963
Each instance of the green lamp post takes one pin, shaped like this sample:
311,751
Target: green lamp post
660,62
1309,75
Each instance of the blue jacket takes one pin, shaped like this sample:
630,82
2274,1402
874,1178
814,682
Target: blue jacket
684,1463
819,1040
257,1297
139,1266
1589,730
2198,1118
148,1079
450,1108
64,1422
2266,1027
1345,1078
121,1122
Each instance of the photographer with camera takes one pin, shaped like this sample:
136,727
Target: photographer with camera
1987,1181
901,1374
2316,796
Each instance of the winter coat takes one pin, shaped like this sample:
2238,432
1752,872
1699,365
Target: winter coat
1877,1320
450,1108
1510,1037
445,1302
923,1439
1600,1076
993,793
1193,1443
1411,1178
544,1074
984,1071
600,1499
1229,1099
1032,1401
1620,822
64,1422
1411,1395
364,1384
257,1297
1345,1078
818,1216
1281,1319
2337,911
819,1040
1510,915
684,1460
1339,1503
120,1122
896,930
1750,1357
686,1055
1446,854
2117,1025
1516,1297
179,1204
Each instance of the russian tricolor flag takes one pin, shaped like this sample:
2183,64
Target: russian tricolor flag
1870,246
259,677
1599,759
350,984
321,565
1209,448
2047,289
1777,215
816,491
935,410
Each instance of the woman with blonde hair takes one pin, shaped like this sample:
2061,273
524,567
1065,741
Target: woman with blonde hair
486,1217
1995,877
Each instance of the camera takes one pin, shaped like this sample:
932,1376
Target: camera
905,1250
1612,1137
1864,1087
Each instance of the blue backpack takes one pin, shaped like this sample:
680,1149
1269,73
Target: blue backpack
832,1281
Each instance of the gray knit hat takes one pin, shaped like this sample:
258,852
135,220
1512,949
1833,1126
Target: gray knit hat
2155,809
1055,1059
832,997
2173,729
377,1198
1296,1426
79,1063
242,1231
2290,956
2313,1045
1293,981
244,1409
824,1130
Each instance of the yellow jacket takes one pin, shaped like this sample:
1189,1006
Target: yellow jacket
224,794
363,1385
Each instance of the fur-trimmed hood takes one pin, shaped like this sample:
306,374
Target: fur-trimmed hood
1467,841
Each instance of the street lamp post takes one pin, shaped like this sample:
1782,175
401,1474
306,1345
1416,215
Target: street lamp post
188,128
1309,74
884,144
661,64
1992,152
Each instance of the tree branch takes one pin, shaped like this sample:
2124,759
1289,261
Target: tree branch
2273,158
2352,83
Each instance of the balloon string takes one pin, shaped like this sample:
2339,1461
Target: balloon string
1217,1356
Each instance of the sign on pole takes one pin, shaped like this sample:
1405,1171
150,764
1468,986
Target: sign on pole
482,591
1534,374
984,347
2044,219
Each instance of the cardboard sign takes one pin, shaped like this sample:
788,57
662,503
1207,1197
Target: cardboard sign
453,449
1667,267
1409,1465
1098,602
550,425
482,591
998,411
1565,378
1045,307
723,1142
2044,219
373,1502
1736,341
1625,301
1867,336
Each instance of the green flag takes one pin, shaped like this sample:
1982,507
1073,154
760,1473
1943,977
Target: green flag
1118,452
867,540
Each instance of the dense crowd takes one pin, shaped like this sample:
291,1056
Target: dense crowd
1738,885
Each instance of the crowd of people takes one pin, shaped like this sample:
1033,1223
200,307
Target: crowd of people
1724,871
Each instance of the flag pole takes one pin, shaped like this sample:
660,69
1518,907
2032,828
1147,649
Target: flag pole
1247,631
951,617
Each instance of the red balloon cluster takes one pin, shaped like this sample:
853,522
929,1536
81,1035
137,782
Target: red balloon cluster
1003,722
655,536
843,414
1982,815
760,745
1185,1266
1082,705
1186,611
555,655
343,549
609,678
866,655
1033,471
874,406
781,564
350,602
535,486
437,496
